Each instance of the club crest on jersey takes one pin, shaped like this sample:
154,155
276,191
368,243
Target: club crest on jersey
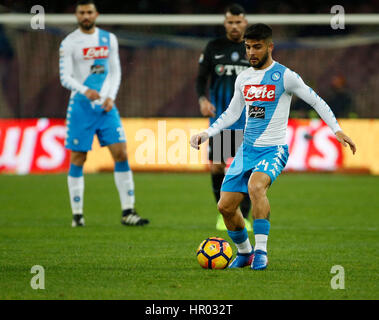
95,53
276,76
235,56
259,92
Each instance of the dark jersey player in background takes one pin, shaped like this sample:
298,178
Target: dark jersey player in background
221,61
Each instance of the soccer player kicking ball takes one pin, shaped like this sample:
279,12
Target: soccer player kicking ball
90,67
266,89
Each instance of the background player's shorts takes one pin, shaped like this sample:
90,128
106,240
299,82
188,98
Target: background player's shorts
249,159
224,145
85,119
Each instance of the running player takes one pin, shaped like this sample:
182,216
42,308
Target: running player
266,90
222,60
90,67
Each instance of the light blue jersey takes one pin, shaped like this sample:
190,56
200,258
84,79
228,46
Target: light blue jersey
266,94
91,61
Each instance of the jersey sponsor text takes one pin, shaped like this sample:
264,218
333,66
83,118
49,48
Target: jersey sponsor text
95,53
259,92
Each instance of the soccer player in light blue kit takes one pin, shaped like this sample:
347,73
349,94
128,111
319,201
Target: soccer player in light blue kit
266,89
90,67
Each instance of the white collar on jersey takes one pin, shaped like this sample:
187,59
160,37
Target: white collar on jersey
88,34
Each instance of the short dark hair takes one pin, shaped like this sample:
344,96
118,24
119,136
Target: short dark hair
258,31
235,9
84,2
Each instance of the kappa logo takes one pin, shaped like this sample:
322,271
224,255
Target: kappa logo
259,92
95,53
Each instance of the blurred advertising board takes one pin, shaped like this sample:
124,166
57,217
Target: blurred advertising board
32,146
162,144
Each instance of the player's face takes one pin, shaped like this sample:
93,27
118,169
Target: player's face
86,15
258,52
235,26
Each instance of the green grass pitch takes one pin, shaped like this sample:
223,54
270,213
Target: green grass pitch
317,221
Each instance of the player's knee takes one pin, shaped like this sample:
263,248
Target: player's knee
120,155
225,208
257,190
78,158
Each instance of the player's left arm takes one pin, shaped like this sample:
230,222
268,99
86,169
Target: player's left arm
295,85
114,74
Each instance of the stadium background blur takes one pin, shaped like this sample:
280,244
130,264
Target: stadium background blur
319,220
160,62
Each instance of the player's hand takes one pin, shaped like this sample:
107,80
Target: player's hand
198,139
92,94
207,109
345,140
108,104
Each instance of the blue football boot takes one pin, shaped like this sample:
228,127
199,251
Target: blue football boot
260,260
242,260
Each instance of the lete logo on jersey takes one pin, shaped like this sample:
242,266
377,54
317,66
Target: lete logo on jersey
259,92
95,53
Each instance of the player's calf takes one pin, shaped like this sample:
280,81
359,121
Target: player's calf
261,231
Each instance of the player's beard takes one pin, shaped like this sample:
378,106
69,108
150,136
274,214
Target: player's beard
235,36
88,26
261,62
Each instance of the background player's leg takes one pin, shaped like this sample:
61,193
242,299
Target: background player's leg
245,206
217,175
258,185
217,168
75,181
123,177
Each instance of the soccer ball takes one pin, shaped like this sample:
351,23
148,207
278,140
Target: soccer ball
214,253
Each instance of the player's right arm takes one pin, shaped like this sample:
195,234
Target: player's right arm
225,120
207,109
66,71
